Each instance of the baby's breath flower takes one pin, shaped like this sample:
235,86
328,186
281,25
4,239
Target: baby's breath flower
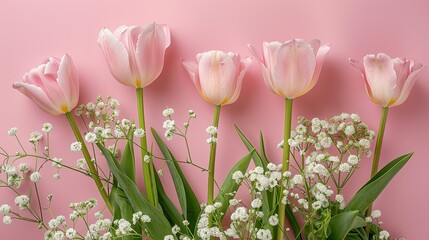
70,233
12,131
211,140
384,235
192,114
273,220
376,214
212,130
80,163
344,167
168,112
147,158
160,172
57,176
256,203
47,127
264,234
139,132
353,159
23,167
22,202
169,237
35,137
7,220
175,229
90,137
124,227
5,209
57,162
368,219
35,177
76,147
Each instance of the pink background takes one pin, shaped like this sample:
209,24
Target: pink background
34,30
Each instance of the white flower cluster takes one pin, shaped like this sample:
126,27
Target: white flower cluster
212,131
170,125
5,210
14,176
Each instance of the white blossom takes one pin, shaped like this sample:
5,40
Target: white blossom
168,112
35,177
76,147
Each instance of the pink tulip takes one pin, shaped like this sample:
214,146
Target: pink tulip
388,81
135,55
54,85
291,69
218,75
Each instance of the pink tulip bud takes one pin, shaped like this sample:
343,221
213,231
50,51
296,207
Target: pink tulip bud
218,75
135,55
388,81
291,69
54,85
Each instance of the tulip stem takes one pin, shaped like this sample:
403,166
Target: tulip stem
148,168
210,186
285,164
377,152
91,166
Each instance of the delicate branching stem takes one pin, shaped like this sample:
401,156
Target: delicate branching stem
379,143
285,163
148,168
210,186
89,162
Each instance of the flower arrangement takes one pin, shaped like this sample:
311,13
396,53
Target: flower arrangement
297,198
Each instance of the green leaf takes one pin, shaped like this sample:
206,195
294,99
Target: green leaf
342,223
372,189
169,209
159,226
229,185
256,157
187,199
128,160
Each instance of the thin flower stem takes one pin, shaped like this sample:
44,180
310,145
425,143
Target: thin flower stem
90,164
379,143
285,163
210,186
148,168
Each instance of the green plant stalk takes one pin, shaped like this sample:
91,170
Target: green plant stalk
210,182
285,164
91,166
148,168
379,143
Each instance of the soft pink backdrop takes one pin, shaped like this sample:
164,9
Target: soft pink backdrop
34,30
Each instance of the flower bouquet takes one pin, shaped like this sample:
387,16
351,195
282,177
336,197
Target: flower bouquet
299,197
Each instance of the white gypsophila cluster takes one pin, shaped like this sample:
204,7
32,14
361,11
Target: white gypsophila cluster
264,234
5,209
140,217
139,133
57,222
35,177
168,112
14,178
35,137
170,128
47,127
22,201
123,227
212,131
76,146
12,131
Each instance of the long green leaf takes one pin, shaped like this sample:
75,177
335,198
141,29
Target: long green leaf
187,198
159,226
229,185
169,209
128,160
342,223
372,189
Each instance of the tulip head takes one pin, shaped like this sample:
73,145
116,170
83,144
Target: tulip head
292,68
53,85
388,81
218,75
135,55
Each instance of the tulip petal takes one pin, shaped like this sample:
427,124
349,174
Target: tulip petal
381,77
265,72
150,52
68,80
116,56
244,65
294,68
320,59
409,83
359,65
192,69
38,96
315,44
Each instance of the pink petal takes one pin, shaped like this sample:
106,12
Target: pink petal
265,71
315,44
151,47
244,65
294,69
38,96
68,80
116,56
216,70
192,69
381,77
409,83
359,65
320,59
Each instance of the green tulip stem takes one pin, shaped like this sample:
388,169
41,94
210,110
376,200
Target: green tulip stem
148,168
91,166
285,164
210,185
377,152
